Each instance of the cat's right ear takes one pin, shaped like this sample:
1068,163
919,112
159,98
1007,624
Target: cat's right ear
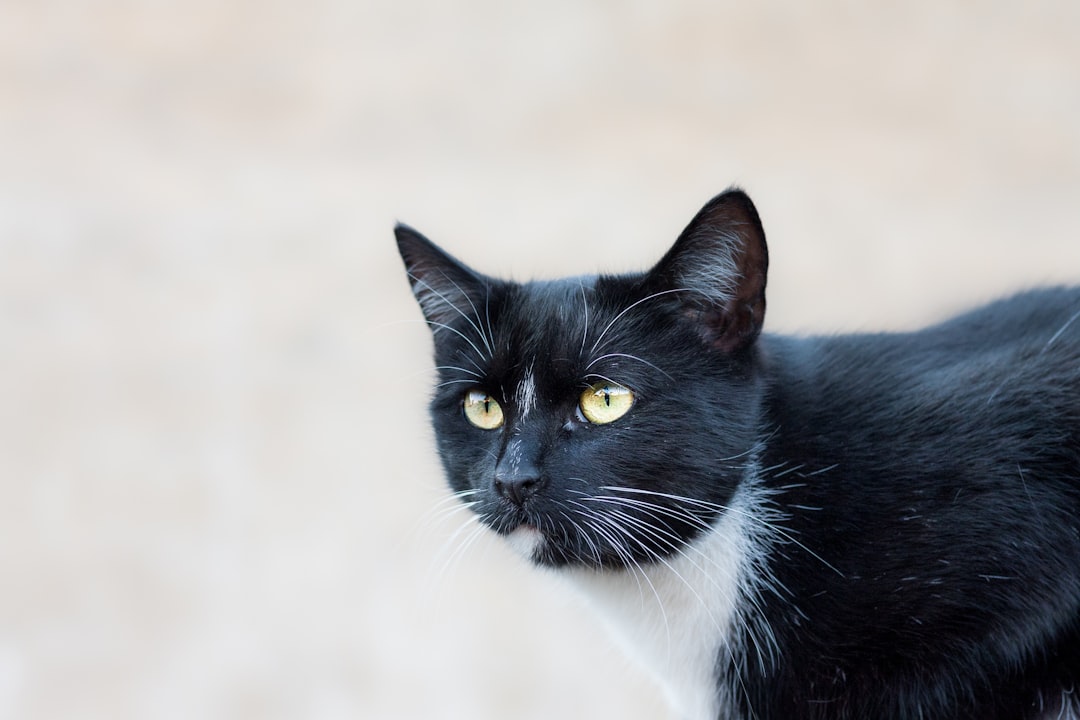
444,286
718,267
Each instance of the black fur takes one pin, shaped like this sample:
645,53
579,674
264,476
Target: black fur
927,483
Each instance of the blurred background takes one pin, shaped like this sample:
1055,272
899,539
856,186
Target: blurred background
218,492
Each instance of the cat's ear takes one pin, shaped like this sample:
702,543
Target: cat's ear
444,286
718,266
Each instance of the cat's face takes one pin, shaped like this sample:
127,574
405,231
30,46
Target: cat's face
601,421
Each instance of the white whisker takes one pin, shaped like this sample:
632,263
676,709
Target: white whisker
629,357
460,334
459,311
476,313
598,376
772,526
614,320
454,382
678,547
592,519
770,648
1058,334
452,549
458,369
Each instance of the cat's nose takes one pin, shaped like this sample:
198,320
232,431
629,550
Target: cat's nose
517,479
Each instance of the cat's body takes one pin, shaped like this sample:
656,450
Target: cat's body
862,526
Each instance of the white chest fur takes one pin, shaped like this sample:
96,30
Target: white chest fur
676,617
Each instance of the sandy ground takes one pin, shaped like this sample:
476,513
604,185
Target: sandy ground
218,493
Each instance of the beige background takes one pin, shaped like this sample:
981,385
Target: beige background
218,494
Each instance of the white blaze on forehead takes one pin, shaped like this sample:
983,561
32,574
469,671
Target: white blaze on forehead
526,393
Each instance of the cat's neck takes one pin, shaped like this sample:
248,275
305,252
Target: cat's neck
678,616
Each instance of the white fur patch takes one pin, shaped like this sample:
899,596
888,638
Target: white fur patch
677,617
526,394
526,541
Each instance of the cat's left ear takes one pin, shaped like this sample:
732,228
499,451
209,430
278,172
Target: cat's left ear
444,286
718,266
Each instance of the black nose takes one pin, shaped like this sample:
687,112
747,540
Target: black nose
517,481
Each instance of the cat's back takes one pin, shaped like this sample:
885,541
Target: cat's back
1029,340
1038,319
1027,343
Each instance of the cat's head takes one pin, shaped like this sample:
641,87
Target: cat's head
600,421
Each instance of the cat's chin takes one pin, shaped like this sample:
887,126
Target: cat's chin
527,541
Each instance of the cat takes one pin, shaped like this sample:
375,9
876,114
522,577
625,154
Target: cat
846,527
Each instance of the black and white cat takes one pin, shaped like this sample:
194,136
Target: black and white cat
861,526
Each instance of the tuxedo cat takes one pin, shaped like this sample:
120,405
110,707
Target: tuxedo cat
855,526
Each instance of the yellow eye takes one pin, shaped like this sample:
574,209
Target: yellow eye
482,410
605,402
